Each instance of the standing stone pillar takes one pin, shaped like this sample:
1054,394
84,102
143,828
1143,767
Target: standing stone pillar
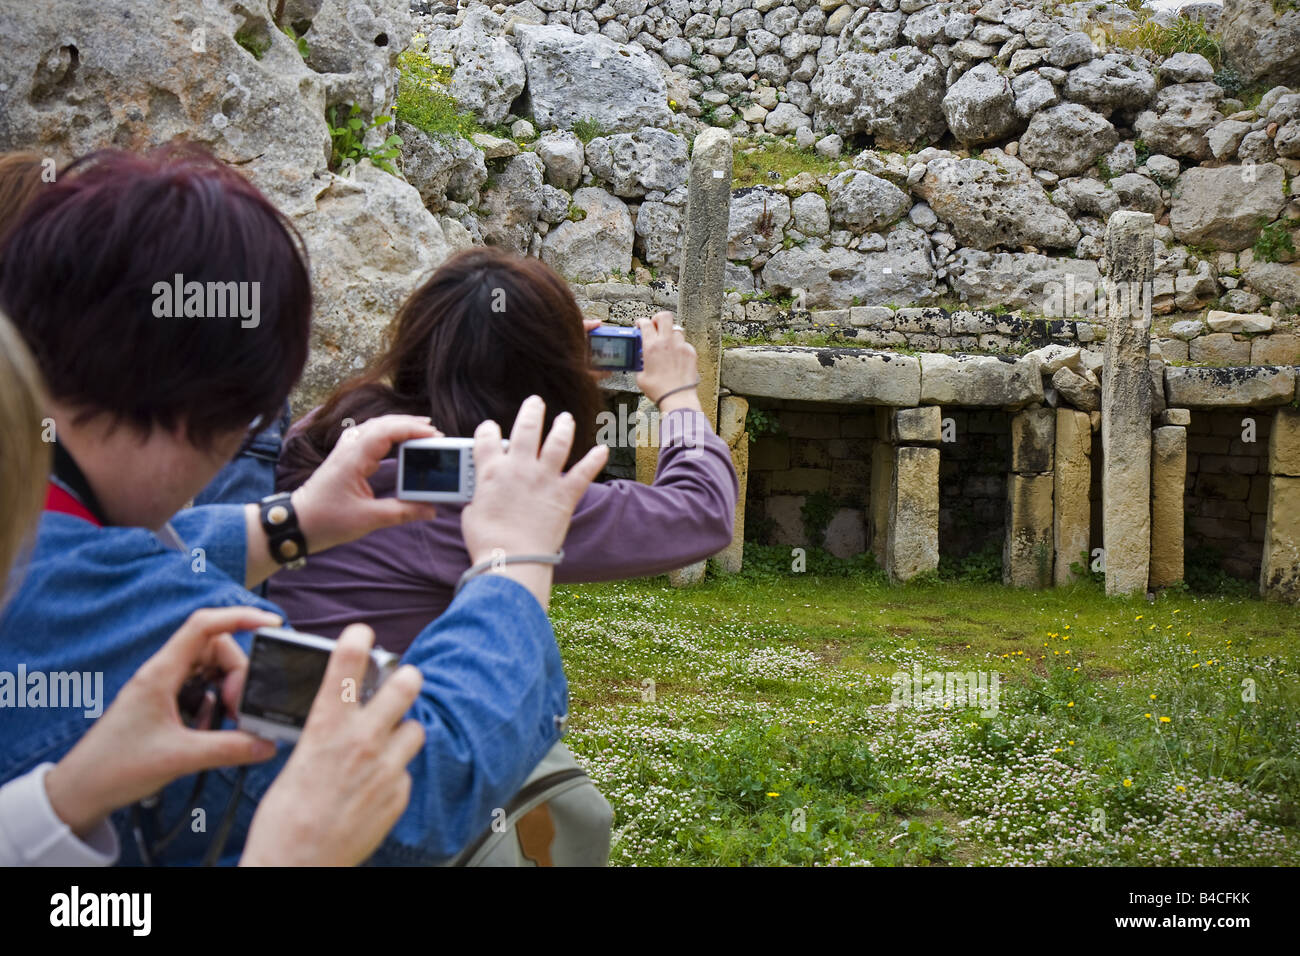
1027,551
912,542
700,292
1126,403
704,259
1279,575
1072,494
1168,483
732,411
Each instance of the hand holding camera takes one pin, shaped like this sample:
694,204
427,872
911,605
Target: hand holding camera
671,365
524,499
346,783
99,775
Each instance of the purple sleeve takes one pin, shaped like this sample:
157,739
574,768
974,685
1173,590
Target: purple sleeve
624,529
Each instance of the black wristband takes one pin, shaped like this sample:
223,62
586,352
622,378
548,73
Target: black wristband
284,537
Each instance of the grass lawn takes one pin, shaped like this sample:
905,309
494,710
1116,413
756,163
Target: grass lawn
747,720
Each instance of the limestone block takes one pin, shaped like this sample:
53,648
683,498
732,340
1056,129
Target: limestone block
1168,479
916,426
913,543
847,376
1284,443
1027,549
1072,488
731,429
1033,438
1242,387
1279,576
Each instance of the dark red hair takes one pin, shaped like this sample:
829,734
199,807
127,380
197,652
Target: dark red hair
78,275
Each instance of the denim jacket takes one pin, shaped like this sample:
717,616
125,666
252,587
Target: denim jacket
105,599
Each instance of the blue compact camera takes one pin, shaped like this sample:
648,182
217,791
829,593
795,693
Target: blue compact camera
615,349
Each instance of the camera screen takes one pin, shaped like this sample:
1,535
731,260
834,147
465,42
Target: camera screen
611,352
431,469
282,679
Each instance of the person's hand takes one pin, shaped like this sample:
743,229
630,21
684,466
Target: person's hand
668,362
336,504
346,783
523,500
140,744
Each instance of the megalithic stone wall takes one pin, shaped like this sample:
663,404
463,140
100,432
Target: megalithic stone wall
1279,577
1126,403
732,410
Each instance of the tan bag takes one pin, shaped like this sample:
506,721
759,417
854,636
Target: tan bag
558,818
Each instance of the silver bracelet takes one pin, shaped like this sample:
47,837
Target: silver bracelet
498,560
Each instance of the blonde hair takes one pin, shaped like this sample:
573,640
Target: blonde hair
24,455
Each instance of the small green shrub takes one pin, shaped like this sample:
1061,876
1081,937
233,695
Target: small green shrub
817,510
1274,243
759,422
347,141
300,42
1181,36
423,100
587,129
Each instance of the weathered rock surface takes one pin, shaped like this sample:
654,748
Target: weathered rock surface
1223,207
594,246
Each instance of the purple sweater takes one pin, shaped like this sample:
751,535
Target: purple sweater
399,579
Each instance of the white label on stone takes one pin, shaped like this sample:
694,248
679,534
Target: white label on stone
717,174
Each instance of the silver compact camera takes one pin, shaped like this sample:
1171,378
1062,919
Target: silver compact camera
439,470
285,670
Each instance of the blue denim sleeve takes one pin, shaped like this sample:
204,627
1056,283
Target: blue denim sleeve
215,535
494,702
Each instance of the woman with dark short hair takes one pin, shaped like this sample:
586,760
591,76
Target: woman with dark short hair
486,330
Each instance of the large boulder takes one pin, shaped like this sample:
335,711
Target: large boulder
1183,116
635,163
1067,139
837,277
991,205
755,222
595,245
441,168
865,203
1261,40
894,96
574,77
980,106
1223,208
1056,287
563,155
512,202
488,73
659,234
1116,81
1279,282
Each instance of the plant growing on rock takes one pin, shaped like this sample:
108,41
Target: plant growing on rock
422,97
347,141
1274,243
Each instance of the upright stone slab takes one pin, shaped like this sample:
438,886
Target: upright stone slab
1033,441
913,544
731,428
704,259
1072,492
1168,483
1279,575
647,441
1126,403
882,482
1027,556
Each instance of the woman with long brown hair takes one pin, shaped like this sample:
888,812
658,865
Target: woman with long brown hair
487,330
